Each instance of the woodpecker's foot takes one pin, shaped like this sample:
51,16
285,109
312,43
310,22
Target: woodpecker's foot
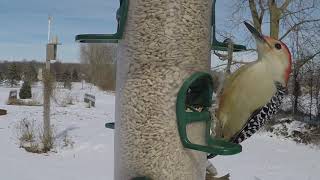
211,173
216,128
209,176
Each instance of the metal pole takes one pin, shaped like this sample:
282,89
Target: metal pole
49,28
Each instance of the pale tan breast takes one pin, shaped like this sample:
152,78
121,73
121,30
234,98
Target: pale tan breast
249,90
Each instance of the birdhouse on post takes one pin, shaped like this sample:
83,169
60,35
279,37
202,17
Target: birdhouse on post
51,51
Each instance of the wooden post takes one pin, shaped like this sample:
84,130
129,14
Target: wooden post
164,43
51,53
46,90
46,101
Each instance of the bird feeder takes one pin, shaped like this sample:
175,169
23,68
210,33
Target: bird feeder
163,60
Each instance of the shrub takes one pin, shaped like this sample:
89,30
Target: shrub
26,131
47,142
25,91
67,80
32,139
3,112
20,102
63,98
67,141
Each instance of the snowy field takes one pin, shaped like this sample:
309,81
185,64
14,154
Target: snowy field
91,156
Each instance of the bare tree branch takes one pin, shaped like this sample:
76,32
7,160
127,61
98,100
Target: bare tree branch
275,16
297,25
290,12
233,63
285,5
262,11
255,15
303,61
222,57
230,56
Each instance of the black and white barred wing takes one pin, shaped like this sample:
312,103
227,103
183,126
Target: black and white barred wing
260,116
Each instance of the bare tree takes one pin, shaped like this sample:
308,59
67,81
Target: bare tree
284,16
101,64
293,21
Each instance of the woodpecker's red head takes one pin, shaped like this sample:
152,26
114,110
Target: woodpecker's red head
274,52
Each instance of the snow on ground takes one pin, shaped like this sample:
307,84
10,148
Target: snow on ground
91,157
271,158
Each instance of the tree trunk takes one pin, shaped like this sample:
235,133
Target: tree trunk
47,89
275,15
316,95
296,92
257,20
311,95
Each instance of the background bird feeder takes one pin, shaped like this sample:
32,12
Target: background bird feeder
217,45
122,14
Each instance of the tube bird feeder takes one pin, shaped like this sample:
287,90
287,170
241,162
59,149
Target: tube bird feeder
162,126
164,42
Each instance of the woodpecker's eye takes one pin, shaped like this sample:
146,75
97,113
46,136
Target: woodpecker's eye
277,46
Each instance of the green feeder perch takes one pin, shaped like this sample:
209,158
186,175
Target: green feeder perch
197,92
122,14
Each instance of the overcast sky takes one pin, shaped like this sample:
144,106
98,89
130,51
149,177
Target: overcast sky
23,30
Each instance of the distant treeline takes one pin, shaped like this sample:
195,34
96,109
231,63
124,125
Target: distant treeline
97,67
28,70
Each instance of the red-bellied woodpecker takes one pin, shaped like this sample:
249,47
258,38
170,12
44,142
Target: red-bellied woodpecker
253,93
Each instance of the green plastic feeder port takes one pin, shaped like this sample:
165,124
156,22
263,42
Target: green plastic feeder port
197,92
109,125
122,14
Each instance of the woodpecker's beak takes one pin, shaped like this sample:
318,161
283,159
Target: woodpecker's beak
256,34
